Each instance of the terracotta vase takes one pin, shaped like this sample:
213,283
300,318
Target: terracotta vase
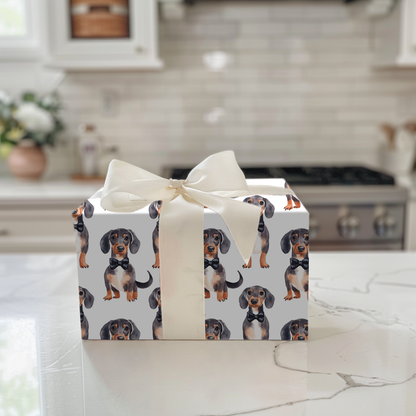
27,161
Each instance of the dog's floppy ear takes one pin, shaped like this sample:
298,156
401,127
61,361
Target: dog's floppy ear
89,299
225,243
269,299
105,331
225,333
153,299
135,333
88,209
243,298
285,242
269,211
105,242
135,242
153,210
285,332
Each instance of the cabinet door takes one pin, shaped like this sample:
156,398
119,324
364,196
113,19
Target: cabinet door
72,48
36,231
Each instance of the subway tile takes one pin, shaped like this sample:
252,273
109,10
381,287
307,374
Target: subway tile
262,29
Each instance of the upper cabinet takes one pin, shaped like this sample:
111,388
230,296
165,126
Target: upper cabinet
395,37
99,35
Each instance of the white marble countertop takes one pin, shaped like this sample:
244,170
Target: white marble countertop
360,358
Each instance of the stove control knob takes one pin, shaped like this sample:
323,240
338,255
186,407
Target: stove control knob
384,223
348,224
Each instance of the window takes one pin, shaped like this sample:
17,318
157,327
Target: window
13,18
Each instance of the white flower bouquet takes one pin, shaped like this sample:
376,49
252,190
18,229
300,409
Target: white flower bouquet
32,119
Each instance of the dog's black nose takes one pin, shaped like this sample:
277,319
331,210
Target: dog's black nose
74,212
254,301
210,337
120,248
301,248
301,338
211,249
120,337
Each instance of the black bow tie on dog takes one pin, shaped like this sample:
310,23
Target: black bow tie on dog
114,263
260,229
79,226
295,263
159,315
251,317
213,263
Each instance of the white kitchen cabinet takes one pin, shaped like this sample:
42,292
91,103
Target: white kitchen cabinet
137,51
36,217
395,37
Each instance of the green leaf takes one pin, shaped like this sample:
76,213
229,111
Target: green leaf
29,97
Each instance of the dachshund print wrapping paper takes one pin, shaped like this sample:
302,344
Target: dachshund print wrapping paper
264,299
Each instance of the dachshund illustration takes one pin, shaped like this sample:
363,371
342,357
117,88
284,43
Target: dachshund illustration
296,330
82,233
216,329
214,272
262,239
120,274
156,302
154,211
88,299
256,324
120,329
289,205
297,274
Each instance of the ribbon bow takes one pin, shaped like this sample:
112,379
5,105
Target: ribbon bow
114,263
295,263
251,317
214,263
210,184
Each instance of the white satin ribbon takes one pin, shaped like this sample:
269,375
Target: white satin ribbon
211,184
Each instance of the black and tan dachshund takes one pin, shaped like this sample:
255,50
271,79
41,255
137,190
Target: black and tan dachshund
296,330
155,301
120,329
86,298
256,324
262,240
120,274
297,274
290,200
87,209
216,329
214,273
154,211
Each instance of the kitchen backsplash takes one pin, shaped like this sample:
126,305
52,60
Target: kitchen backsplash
297,87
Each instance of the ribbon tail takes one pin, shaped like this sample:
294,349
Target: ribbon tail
241,219
182,269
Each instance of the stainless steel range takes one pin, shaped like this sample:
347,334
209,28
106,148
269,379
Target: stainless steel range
351,208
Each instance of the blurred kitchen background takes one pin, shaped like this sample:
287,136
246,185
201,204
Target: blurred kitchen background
281,83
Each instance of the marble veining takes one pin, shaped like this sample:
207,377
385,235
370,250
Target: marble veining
360,358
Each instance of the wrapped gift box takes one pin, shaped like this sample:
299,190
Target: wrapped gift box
119,277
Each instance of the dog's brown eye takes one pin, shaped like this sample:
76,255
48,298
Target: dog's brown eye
249,201
158,292
307,238
261,293
261,202
216,238
159,202
81,293
249,292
